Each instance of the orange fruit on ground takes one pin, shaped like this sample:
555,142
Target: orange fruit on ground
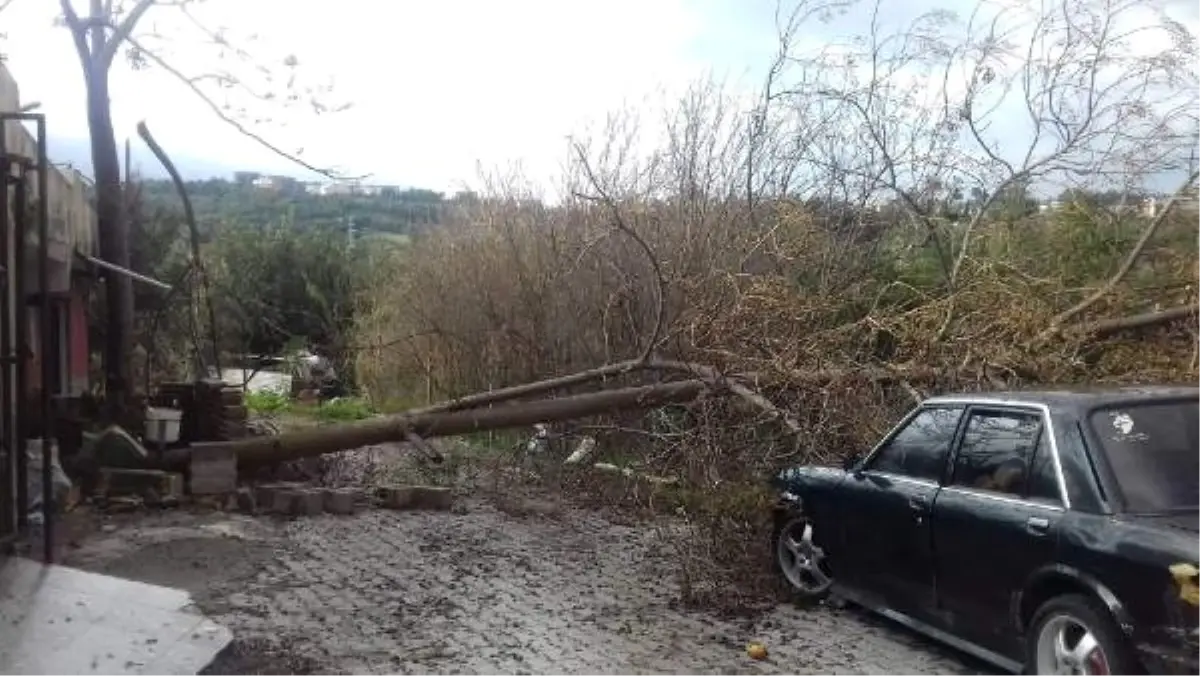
756,651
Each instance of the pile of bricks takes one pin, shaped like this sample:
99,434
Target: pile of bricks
291,499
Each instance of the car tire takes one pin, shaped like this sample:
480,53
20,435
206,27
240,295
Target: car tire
789,527
1072,616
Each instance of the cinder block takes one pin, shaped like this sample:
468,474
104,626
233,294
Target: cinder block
432,497
282,500
246,501
341,500
166,487
213,469
416,497
396,497
308,502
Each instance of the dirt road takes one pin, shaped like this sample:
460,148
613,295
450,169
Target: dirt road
479,591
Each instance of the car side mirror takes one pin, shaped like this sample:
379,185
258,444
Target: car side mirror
851,461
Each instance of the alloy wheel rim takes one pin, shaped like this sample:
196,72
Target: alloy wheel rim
1066,645
803,562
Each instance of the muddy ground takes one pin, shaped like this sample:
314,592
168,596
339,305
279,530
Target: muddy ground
476,590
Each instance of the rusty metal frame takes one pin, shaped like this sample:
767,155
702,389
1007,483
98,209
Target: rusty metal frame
42,167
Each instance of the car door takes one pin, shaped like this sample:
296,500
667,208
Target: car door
995,522
884,512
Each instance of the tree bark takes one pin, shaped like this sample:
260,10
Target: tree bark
113,233
295,445
1107,327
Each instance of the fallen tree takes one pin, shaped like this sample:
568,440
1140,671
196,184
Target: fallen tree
263,450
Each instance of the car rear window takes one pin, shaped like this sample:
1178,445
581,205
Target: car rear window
1153,451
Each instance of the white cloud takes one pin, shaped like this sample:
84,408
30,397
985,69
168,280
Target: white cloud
437,87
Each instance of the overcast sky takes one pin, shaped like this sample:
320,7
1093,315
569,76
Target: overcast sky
438,86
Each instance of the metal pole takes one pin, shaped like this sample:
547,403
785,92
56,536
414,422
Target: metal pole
21,350
21,312
47,345
8,511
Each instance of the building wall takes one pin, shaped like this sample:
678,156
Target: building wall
72,227
78,327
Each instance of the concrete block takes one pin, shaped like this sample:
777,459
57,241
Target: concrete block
396,497
432,497
416,497
341,500
205,452
213,470
163,486
282,500
246,501
308,502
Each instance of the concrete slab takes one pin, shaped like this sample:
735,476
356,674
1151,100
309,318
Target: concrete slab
58,620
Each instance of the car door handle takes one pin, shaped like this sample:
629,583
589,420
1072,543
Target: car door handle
1037,525
917,505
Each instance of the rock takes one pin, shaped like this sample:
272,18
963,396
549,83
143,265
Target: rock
341,500
114,447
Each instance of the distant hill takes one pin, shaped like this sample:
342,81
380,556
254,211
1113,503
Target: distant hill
78,153
393,212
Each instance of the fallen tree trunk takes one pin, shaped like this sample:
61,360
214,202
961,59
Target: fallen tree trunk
301,444
736,381
530,389
1107,327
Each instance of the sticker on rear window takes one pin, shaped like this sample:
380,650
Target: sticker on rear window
1122,424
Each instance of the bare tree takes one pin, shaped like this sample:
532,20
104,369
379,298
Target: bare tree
112,28
1006,99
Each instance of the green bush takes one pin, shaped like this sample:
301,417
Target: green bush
343,409
268,403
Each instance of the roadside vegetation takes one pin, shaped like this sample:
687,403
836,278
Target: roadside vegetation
848,243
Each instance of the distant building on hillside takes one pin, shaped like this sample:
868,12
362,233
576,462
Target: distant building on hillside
338,188
275,183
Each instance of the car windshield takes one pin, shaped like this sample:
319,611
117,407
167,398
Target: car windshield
1154,454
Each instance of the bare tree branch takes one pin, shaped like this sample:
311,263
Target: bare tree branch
618,222
122,31
233,122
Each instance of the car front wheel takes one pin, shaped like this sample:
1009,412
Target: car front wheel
1073,634
801,562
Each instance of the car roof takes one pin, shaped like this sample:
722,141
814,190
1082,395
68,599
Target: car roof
1076,398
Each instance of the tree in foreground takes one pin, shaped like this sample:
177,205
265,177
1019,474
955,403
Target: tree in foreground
110,29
